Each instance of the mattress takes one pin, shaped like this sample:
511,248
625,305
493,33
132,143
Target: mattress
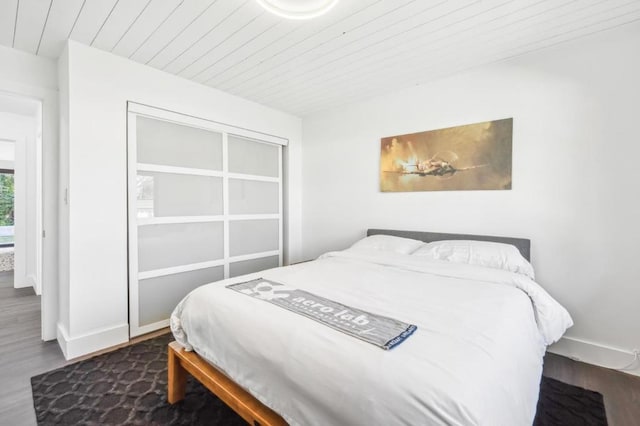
475,358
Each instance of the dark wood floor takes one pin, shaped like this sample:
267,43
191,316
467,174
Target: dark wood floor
23,355
6,279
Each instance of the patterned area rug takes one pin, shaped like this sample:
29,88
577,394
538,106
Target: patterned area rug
563,404
128,386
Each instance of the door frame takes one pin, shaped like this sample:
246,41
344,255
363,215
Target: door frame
22,159
46,200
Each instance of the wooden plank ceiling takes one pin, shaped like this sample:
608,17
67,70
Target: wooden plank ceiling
360,49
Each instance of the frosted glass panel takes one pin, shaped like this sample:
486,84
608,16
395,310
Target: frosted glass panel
159,296
169,144
168,194
253,158
253,197
163,246
187,217
253,265
253,236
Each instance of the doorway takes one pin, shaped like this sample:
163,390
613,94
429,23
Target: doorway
7,213
20,193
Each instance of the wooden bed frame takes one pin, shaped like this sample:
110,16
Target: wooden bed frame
181,363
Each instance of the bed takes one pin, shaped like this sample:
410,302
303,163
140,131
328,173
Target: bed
475,358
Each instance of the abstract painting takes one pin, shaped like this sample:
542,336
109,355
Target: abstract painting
462,158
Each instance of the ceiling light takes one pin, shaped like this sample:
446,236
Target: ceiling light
298,9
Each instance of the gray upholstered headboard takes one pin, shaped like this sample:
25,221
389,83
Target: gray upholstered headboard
521,244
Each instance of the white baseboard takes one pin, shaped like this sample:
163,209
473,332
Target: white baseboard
62,337
73,347
20,282
595,353
31,280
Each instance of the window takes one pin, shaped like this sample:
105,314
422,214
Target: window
7,223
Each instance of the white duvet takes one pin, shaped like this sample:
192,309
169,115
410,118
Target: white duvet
476,358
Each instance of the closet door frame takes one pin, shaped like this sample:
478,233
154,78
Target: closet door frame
135,110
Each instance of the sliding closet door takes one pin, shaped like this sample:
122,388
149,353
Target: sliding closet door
255,222
205,203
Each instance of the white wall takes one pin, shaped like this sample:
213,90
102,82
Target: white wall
576,177
36,77
63,206
99,86
22,72
22,129
7,153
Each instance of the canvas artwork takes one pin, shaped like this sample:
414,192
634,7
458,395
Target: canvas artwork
470,157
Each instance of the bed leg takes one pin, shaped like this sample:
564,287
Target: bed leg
177,383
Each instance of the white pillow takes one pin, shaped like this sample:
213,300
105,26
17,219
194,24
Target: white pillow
481,253
388,243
